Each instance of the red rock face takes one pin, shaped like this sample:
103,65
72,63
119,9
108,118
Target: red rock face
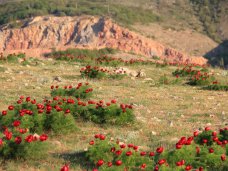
41,34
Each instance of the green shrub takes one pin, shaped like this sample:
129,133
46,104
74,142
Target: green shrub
217,87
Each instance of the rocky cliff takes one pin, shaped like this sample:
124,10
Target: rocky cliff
39,35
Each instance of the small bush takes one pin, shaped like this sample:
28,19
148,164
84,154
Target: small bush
216,87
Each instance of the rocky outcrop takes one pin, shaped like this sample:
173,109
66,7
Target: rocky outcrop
39,35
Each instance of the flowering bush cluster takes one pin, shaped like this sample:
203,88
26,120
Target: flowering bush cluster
199,77
100,73
80,91
205,150
188,71
38,117
12,57
20,125
98,112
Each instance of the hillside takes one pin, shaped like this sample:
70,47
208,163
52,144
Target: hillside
42,34
177,16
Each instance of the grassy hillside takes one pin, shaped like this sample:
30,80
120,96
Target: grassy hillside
165,109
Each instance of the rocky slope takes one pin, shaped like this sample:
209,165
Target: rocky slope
40,34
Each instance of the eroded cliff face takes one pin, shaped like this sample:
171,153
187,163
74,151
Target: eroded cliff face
41,34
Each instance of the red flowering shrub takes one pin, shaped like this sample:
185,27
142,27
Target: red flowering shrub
201,79
80,91
188,71
18,142
190,153
37,117
98,112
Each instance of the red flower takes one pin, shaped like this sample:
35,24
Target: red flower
135,148
65,168
178,163
161,162
178,146
159,149
113,149
91,142
211,150
130,145
28,99
118,152
18,140
8,135
205,141
200,168
122,146
11,107
188,167
29,138
196,133
214,133
43,137
197,150
143,153
118,162
128,153
100,163
143,166
4,112
1,142
223,157
207,128
102,137
113,101
151,154
16,123
109,164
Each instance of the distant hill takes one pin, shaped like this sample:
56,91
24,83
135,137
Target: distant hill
208,17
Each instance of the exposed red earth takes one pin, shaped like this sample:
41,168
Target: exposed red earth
41,34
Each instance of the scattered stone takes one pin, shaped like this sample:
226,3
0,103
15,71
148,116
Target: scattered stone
57,78
148,79
208,124
171,124
154,133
